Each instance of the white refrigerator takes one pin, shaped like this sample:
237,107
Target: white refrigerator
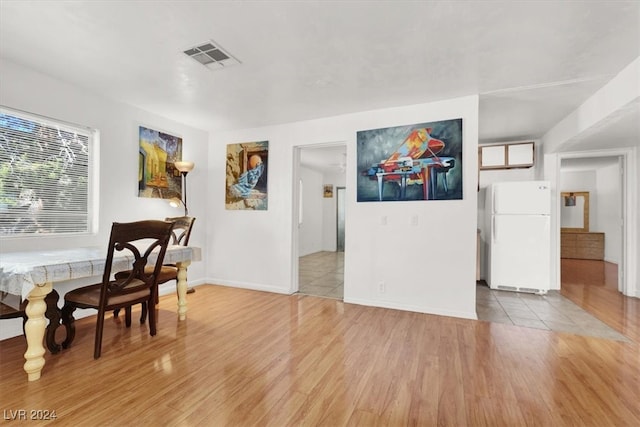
519,238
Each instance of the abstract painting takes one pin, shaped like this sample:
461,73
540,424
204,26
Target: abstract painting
246,183
414,162
157,175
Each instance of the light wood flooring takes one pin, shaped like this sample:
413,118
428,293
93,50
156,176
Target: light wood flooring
254,358
593,285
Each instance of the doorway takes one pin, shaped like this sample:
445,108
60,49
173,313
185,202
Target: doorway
319,186
622,227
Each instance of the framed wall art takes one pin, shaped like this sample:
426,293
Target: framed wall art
247,170
414,162
327,191
157,175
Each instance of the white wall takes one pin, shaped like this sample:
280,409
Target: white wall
310,231
609,211
616,95
329,211
118,123
428,267
318,229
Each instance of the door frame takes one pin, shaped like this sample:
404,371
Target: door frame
626,273
296,200
344,195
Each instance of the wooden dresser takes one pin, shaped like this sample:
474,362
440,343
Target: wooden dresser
582,245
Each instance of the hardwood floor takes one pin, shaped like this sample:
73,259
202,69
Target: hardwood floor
254,358
593,285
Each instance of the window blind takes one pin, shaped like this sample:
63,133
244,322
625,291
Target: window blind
44,175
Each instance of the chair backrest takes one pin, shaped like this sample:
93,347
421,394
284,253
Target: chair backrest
11,306
181,229
141,240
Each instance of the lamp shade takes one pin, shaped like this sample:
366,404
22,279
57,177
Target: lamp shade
175,202
184,166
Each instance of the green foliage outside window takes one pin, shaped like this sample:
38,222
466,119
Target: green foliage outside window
44,171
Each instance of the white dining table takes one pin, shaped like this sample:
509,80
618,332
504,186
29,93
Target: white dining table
33,275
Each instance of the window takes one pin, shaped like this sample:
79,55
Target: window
45,176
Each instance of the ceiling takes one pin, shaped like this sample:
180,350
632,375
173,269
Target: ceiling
325,159
531,62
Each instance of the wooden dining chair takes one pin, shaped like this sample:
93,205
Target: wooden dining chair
13,307
180,235
141,240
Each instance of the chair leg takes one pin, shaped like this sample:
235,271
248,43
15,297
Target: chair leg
97,349
143,314
146,307
127,316
152,317
116,312
69,324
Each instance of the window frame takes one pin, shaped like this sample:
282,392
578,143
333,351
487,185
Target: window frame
93,172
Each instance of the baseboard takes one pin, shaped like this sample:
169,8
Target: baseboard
248,285
408,307
170,287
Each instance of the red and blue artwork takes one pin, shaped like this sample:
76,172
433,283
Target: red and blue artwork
414,162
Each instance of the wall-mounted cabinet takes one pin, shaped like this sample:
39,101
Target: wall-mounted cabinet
506,156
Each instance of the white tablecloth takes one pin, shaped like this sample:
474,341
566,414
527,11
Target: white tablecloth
20,272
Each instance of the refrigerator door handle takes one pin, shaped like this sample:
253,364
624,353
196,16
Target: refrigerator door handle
493,227
494,200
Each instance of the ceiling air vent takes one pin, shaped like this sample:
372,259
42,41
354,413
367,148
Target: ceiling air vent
211,55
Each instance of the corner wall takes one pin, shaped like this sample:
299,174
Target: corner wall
428,267
33,92
617,95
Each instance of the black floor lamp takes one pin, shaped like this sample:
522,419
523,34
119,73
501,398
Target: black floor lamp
184,168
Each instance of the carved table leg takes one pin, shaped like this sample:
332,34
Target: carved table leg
181,287
53,314
34,330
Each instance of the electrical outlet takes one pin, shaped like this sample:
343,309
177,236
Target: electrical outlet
381,287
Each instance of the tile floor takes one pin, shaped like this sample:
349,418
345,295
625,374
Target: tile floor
322,274
551,312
